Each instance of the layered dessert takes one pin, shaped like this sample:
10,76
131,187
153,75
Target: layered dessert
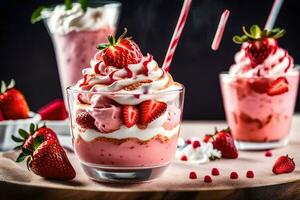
75,31
260,90
126,110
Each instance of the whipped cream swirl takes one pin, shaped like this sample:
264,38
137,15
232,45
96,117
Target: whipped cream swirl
276,64
62,21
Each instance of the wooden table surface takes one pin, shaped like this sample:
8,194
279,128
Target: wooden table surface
286,190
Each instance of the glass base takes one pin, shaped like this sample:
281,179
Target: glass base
122,174
244,145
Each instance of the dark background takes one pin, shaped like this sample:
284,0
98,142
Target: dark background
26,52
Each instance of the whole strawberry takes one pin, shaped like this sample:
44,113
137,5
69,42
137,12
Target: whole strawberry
261,43
284,164
121,52
26,139
13,104
48,159
223,141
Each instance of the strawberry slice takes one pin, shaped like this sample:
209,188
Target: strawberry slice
284,164
279,86
131,115
151,110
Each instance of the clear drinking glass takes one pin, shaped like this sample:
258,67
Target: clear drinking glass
75,49
258,121
138,153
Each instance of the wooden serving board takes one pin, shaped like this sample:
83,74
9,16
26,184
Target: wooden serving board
16,182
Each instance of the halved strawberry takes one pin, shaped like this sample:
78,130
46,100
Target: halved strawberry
12,102
151,110
121,52
85,120
284,164
131,115
278,86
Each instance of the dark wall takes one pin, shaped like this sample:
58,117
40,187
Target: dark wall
26,52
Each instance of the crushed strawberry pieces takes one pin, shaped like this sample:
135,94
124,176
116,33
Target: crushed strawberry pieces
184,158
283,164
234,175
196,144
215,172
250,174
193,175
207,179
268,153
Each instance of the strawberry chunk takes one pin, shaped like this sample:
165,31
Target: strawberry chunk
184,158
215,172
250,174
85,120
196,144
151,110
207,179
131,115
234,175
268,153
278,86
193,175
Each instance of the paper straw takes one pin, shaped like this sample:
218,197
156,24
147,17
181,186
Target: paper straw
176,35
273,14
221,27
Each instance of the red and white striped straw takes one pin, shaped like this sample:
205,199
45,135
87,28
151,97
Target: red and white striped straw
221,27
176,35
273,14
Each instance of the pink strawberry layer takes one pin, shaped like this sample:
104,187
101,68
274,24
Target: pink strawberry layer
258,117
130,153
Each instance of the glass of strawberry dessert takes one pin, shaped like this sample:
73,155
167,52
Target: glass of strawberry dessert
75,30
260,90
125,114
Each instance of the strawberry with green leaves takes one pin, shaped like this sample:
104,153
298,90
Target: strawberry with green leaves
43,153
260,43
13,104
121,52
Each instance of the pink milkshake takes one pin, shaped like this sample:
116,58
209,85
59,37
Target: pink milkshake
75,33
125,114
260,90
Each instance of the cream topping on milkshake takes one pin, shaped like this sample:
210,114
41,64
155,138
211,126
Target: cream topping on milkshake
260,56
62,21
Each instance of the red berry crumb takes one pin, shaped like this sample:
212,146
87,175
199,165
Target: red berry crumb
207,179
184,158
196,144
234,175
268,153
250,174
188,141
193,175
215,172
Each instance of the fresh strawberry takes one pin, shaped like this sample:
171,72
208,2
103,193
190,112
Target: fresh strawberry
55,110
206,138
223,141
278,86
1,116
85,120
121,52
26,139
12,102
131,115
151,110
260,43
284,164
48,159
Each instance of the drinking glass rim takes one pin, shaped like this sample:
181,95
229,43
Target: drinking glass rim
100,3
163,92
295,72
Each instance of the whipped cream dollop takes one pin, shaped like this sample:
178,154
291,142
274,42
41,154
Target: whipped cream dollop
145,77
62,21
277,63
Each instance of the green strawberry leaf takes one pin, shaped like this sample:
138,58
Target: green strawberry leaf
26,151
83,4
279,34
23,134
3,87
18,147
68,4
38,141
246,33
32,128
11,84
255,31
102,46
16,139
37,15
21,157
237,39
